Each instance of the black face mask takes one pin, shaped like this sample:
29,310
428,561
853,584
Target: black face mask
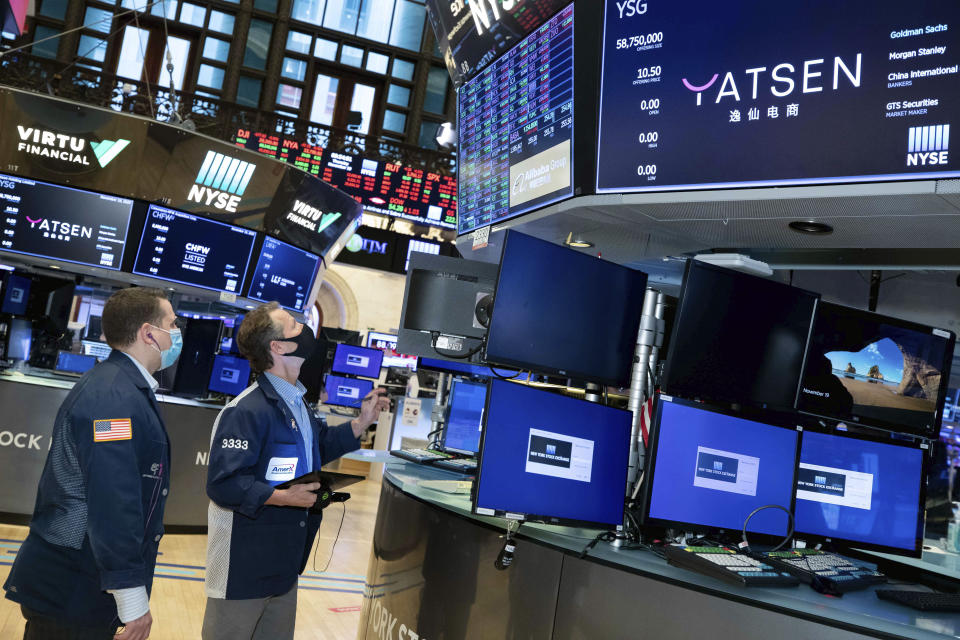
306,343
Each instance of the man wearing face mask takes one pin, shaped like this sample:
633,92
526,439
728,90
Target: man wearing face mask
260,537
86,567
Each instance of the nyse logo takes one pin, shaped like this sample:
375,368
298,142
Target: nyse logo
718,465
928,146
221,181
631,8
782,79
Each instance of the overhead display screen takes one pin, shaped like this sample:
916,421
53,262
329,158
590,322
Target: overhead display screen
62,223
386,188
194,251
696,96
516,129
284,273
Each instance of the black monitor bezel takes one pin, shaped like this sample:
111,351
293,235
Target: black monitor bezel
573,373
847,543
674,342
947,364
377,353
651,466
531,517
446,427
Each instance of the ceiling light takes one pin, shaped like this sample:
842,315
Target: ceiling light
811,228
577,243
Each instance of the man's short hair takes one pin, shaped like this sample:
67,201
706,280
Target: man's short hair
127,310
257,331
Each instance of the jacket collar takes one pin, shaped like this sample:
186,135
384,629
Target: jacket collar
123,361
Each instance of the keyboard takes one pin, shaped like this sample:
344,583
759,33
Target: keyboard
922,600
447,486
420,456
460,465
728,565
836,573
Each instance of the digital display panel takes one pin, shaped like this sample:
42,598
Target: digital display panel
860,491
549,457
357,361
284,273
386,188
195,251
516,129
876,370
696,96
387,342
49,221
346,392
712,469
465,422
16,296
230,375
74,362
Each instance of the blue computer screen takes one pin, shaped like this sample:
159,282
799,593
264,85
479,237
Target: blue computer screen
284,273
462,434
19,339
548,455
712,470
74,362
859,490
347,392
16,296
358,361
230,375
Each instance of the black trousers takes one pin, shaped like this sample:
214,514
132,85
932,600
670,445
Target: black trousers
43,627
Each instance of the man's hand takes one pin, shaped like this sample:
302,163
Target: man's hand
299,495
138,629
373,404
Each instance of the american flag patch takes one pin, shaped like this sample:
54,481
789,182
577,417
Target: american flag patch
115,429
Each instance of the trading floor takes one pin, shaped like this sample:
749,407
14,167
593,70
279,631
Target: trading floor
328,606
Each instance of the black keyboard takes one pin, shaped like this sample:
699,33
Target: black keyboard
836,573
922,600
460,465
728,565
420,456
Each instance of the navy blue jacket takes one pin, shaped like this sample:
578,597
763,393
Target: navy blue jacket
98,518
256,550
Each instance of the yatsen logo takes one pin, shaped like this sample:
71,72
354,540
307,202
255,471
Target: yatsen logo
781,80
928,145
221,181
56,230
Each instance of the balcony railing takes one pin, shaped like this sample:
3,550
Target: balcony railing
210,116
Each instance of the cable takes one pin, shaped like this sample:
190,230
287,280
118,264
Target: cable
746,545
335,540
503,377
603,535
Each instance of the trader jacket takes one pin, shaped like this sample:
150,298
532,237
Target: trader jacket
98,517
256,550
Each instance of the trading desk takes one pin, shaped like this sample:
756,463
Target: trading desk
431,575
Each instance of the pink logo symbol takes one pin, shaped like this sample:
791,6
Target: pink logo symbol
32,221
700,89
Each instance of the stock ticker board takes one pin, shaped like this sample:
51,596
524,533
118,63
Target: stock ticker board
386,188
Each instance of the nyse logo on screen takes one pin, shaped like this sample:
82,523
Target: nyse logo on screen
782,79
221,181
927,146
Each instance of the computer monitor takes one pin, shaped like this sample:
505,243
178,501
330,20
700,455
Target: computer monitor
358,361
876,370
566,313
346,392
201,339
551,458
709,470
387,342
100,350
439,317
863,493
16,295
231,375
465,420
19,339
738,338
94,327
74,362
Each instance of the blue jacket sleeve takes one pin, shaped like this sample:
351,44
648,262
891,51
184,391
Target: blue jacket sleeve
115,518
336,441
235,448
